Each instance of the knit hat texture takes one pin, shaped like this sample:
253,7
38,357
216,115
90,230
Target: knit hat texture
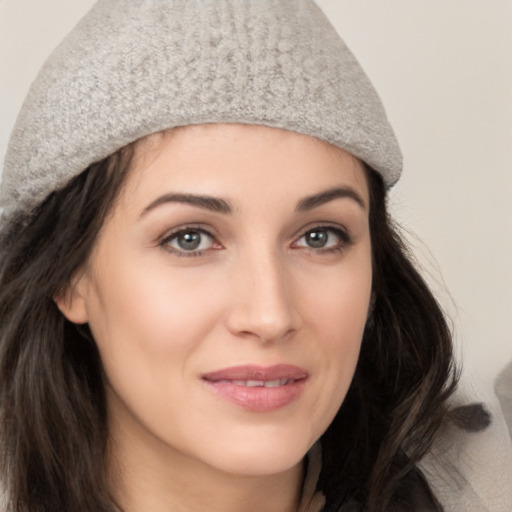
134,67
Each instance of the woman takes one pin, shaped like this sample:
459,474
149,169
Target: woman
204,304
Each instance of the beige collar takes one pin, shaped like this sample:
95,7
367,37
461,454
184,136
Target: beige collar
312,501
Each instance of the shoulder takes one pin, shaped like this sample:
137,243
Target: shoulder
413,494
470,465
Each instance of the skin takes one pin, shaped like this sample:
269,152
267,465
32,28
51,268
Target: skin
255,293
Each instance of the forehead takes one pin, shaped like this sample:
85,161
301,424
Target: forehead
234,159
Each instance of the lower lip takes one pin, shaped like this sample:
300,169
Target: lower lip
258,398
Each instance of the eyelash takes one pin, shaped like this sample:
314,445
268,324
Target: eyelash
164,243
344,237
344,240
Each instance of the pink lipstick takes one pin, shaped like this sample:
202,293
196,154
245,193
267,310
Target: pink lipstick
257,388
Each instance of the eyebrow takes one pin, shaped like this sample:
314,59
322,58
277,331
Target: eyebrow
316,200
219,205
213,204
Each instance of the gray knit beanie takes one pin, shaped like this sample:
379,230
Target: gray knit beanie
135,67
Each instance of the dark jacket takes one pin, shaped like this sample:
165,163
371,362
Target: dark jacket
412,495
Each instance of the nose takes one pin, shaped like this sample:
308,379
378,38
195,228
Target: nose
264,306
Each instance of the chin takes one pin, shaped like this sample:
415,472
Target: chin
265,453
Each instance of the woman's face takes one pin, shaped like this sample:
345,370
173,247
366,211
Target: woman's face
227,293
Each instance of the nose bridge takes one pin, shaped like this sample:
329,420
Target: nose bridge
264,306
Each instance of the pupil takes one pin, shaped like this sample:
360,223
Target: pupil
317,239
189,241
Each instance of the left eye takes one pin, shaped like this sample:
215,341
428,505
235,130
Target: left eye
322,238
189,240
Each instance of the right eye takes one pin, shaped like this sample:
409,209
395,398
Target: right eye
189,242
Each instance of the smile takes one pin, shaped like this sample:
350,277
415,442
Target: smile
258,389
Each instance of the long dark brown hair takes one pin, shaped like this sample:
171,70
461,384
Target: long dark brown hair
53,425
405,374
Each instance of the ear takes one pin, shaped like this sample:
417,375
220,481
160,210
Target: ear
72,301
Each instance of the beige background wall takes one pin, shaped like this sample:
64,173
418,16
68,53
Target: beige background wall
444,70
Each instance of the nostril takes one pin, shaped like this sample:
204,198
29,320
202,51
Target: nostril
263,306
264,325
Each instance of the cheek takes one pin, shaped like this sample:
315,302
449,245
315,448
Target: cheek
156,304
338,299
337,315
149,326
149,322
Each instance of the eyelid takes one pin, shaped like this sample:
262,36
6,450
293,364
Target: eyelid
334,226
340,231
164,240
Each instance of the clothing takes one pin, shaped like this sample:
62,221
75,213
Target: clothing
134,67
416,497
468,469
471,471
312,501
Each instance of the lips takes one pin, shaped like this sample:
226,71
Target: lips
256,388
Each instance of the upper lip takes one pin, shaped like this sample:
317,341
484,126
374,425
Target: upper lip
257,373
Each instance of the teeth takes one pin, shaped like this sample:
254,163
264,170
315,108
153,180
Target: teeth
261,383
254,383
